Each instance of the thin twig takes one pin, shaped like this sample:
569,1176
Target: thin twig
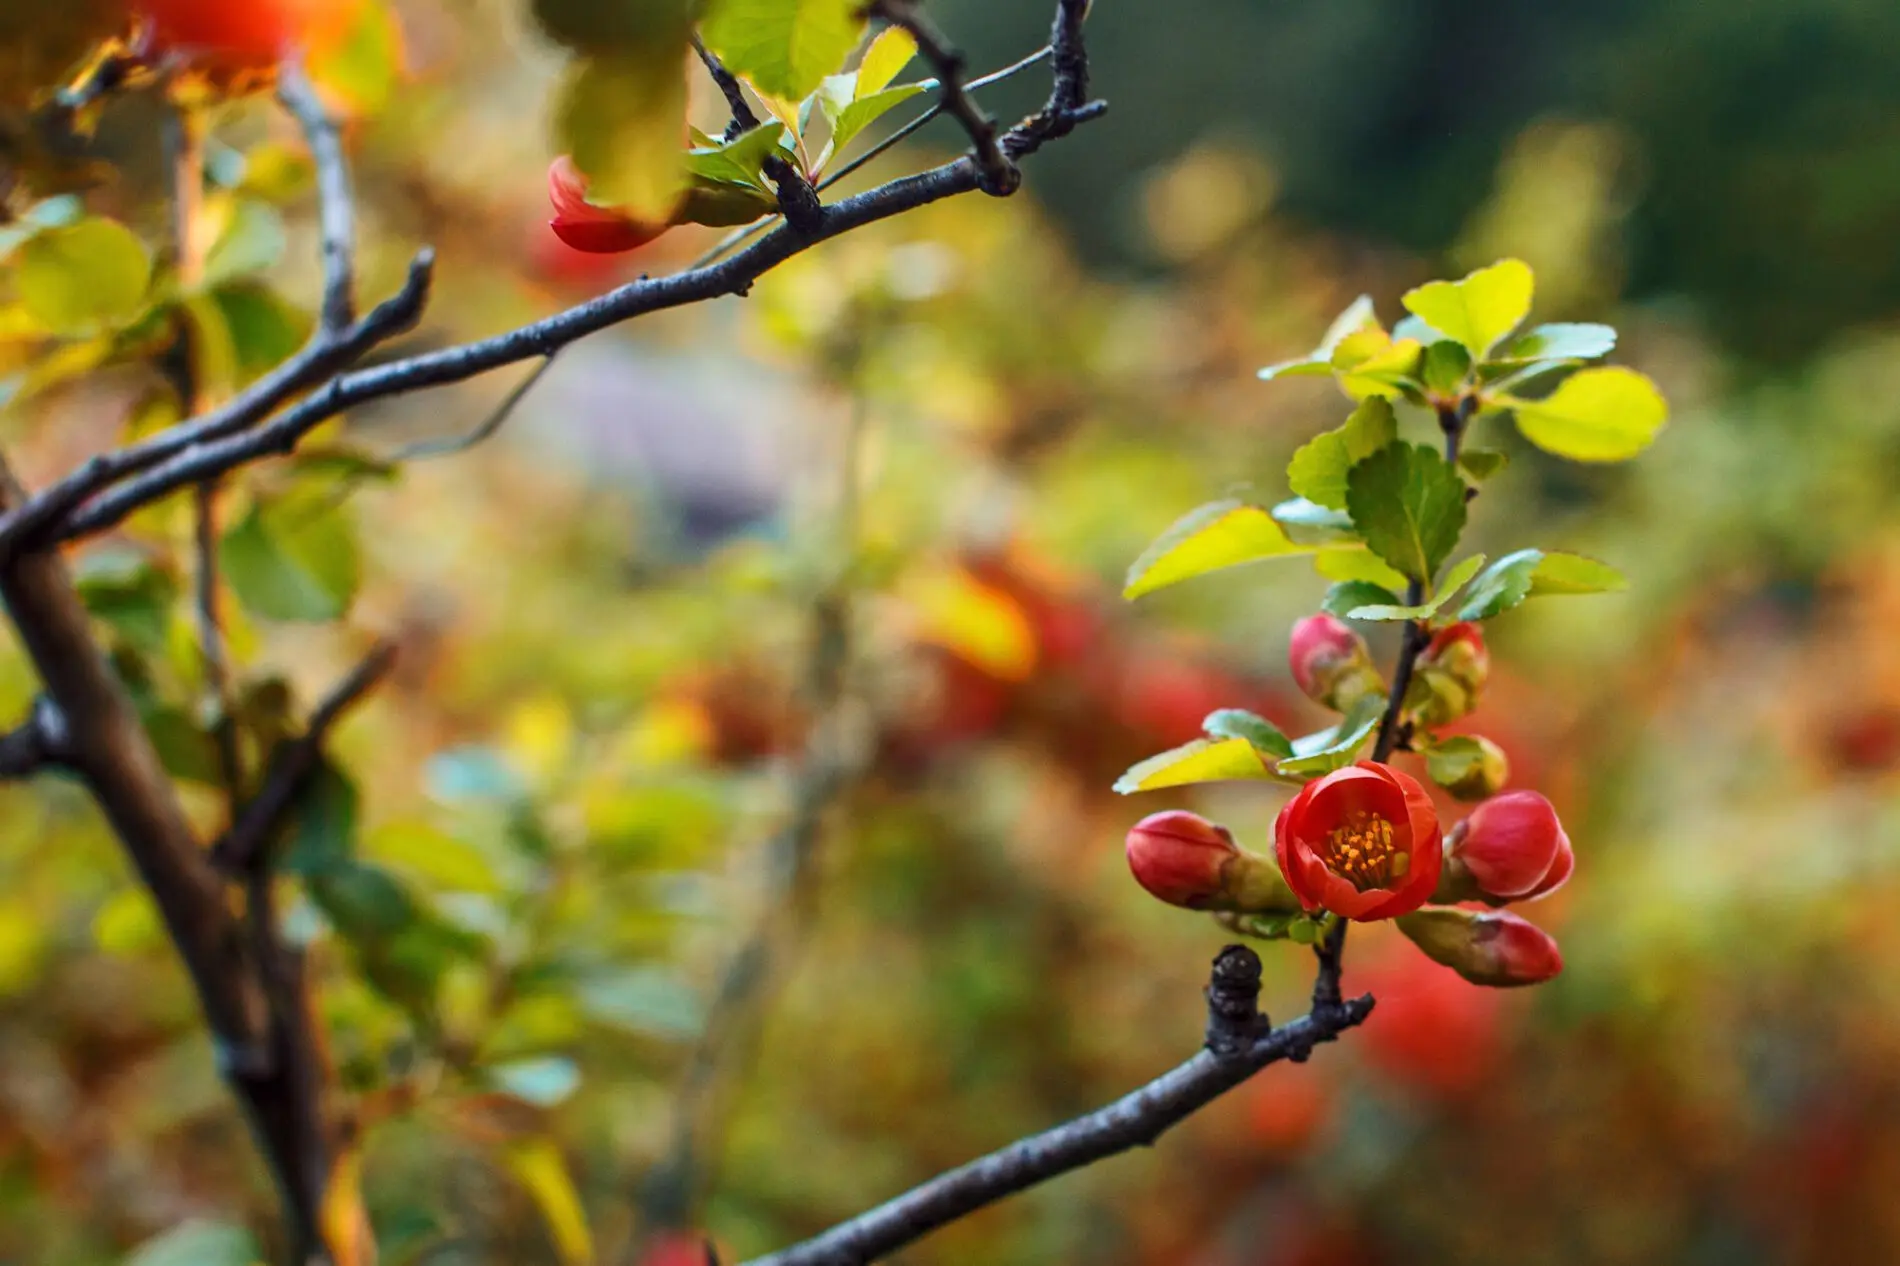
245,846
422,450
336,220
1134,1120
743,120
37,743
997,173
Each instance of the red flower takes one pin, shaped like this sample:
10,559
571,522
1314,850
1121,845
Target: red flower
234,34
586,227
1493,948
1331,664
1185,860
1511,848
1362,842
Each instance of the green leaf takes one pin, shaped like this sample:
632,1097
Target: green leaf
1560,573
1323,752
1596,415
1203,760
1220,534
1502,585
622,117
324,839
1449,761
884,60
441,860
851,117
1409,326
1238,723
85,277
1409,505
851,102
252,241
1350,595
1478,310
1318,469
183,747
363,902
1390,371
1560,341
544,1082
785,47
1482,463
264,329
1358,316
740,161
1356,562
591,26
292,560
643,1000
128,591
1454,581
198,1243
1445,366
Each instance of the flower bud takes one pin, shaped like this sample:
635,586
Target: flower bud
1494,948
1331,663
586,227
1484,776
1511,848
1449,678
1187,861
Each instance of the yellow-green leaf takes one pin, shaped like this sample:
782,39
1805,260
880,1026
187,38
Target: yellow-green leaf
542,1171
1560,573
1220,534
1356,562
887,56
1479,310
1358,316
1203,760
1318,469
1597,415
623,118
786,47
85,277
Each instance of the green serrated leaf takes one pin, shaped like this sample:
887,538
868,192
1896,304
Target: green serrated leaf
1445,366
1220,534
1350,595
1455,580
1478,310
850,118
1501,586
1449,761
1203,760
1482,463
1318,469
785,47
740,161
1238,723
82,278
1409,505
1560,573
1596,415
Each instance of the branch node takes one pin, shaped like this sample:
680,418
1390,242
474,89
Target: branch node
996,170
1234,1020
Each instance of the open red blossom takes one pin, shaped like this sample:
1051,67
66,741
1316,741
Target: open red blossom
1511,848
586,227
1362,842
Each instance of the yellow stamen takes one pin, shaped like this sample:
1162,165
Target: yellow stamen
1361,850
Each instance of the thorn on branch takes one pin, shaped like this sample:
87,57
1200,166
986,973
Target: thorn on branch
1234,1021
997,173
245,848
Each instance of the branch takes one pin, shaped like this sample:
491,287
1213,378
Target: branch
245,847
37,743
336,217
1134,1120
743,120
997,173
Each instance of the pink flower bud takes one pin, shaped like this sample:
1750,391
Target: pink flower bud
1331,664
1493,948
1511,848
1185,860
1450,676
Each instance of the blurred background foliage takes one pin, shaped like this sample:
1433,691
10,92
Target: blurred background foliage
785,632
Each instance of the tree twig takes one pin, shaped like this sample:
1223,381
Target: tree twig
336,217
743,120
449,445
1135,1119
245,846
37,743
997,173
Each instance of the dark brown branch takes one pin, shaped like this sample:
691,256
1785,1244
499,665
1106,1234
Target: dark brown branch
336,218
798,201
245,847
743,120
997,173
1134,1120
